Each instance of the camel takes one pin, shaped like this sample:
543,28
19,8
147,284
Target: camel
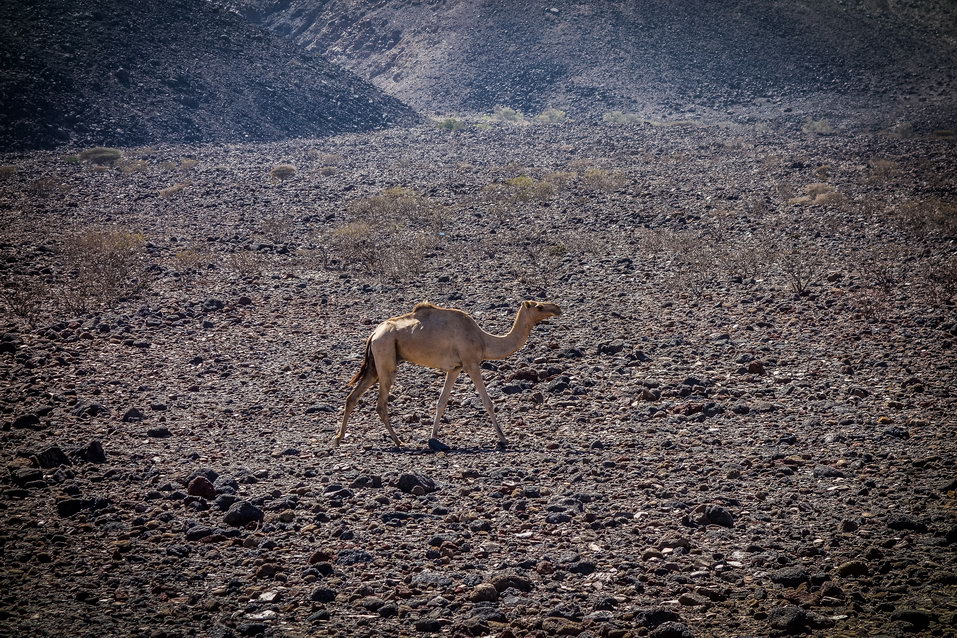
442,338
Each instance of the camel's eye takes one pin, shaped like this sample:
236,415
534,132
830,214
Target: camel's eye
539,307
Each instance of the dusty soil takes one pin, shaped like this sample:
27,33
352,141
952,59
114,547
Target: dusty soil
695,448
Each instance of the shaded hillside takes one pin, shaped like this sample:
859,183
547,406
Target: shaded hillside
453,55
118,73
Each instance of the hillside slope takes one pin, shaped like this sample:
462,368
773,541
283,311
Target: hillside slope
452,55
80,72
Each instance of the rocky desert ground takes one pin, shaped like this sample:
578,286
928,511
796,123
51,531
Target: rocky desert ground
741,425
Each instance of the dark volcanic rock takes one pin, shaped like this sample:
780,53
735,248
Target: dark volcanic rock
249,85
408,482
242,513
51,457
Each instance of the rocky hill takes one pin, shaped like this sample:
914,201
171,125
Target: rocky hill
117,73
453,55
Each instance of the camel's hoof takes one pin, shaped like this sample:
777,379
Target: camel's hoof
501,445
438,446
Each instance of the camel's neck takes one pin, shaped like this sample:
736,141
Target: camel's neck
501,346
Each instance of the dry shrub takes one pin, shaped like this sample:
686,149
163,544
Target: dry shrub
131,166
619,117
102,267
282,172
8,170
902,130
552,116
391,252
244,263
534,258
940,280
277,229
188,163
927,217
100,155
450,124
519,189
602,180
884,169
883,267
169,191
388,234
507,114
801,263
399,206
44,187
559,178
819,194
818,127
24,298
748,258
192,259
326,171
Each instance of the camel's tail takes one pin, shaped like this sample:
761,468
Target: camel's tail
368,364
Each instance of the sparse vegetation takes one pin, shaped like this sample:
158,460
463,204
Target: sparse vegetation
602,180
507,114
7,170
24,297
450,124
170,191
620,117
131,166
818,127
282,172
326,171
819,194
552,116
100,155
101,267
519,189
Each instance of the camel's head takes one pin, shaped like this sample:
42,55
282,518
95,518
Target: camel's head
539,311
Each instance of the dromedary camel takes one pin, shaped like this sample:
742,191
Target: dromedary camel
441,338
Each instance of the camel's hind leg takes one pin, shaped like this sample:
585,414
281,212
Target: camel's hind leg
386,370
476,374
362,385
450,378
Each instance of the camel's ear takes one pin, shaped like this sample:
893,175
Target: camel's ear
528,304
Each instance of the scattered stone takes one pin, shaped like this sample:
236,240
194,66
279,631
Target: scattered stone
70,506
504,581
354,557
437,446
671,629
26,421
407,482
903,522
789,619
654,616
484,592
242,513
853,568
51,457
323,595
161,432
919,618
200,486
790,576
133,415
92,453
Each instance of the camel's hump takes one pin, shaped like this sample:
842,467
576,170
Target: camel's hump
424,305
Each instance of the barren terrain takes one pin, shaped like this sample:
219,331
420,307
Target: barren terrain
742,424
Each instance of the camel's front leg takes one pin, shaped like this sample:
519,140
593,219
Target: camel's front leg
450,378
382,405
476,374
